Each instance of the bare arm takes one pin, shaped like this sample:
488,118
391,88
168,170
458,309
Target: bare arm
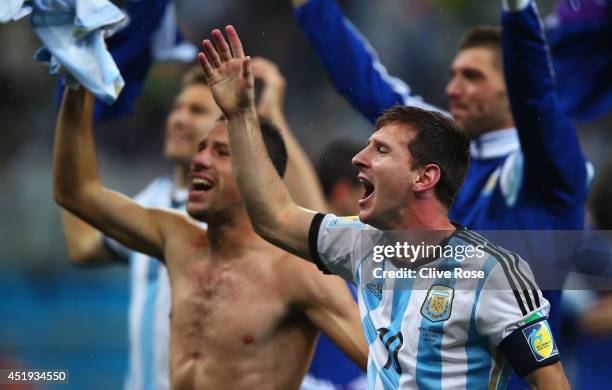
84,242
272,212
331,307
301,179
77,186
548,378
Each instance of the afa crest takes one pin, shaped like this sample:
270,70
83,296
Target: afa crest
438,303
541,341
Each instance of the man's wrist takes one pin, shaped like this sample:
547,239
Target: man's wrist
247,113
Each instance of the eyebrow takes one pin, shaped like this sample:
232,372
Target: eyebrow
218,144
379,142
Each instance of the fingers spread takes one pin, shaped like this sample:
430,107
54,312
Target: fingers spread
211,53
208,70
221,45
234,41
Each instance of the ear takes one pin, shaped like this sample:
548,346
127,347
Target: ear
427,178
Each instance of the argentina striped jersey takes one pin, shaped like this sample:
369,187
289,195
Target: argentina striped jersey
439,329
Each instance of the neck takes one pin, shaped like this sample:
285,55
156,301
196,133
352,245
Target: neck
230,236
506,123
181,175
424,214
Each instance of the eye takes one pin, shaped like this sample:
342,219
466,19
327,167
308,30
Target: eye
223,152
471,74
382,149
197,109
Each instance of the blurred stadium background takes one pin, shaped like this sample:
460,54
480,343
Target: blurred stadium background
54,315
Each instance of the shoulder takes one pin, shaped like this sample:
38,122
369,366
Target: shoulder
492,257
302,281
178,224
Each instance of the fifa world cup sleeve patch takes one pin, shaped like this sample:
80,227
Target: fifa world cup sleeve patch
530,347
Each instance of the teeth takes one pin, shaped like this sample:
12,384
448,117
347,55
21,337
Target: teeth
365,183
201,181
201,184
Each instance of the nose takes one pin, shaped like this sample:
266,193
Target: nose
360,160
202,160
179,116
453,88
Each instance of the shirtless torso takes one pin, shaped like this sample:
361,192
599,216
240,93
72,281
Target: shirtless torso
244,316
242,321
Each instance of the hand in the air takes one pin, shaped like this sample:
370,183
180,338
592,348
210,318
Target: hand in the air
272,98
228,72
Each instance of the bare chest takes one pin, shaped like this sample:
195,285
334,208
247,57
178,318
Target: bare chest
227,306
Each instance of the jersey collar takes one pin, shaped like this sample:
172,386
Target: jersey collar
495,144
179,197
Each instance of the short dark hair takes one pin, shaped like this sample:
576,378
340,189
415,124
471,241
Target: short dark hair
439,140
194,76
274,141
483,36
275,145
335,164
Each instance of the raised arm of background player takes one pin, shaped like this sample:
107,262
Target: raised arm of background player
77,186
300,178
350,60
86,245
554,167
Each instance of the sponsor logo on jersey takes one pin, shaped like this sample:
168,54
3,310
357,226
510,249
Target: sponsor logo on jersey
438,303
540,340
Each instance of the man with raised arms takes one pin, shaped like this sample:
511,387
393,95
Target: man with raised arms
245,315
191,116
442,332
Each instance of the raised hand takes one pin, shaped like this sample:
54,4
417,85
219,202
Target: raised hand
228,72
272,98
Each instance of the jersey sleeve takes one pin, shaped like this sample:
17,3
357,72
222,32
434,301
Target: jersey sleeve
351,62
512,313
554,164
334,244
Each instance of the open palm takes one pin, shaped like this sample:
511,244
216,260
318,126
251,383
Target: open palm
228,72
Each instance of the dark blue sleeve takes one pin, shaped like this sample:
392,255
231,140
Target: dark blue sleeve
350,61
554,164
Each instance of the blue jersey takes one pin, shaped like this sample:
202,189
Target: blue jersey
442,327
150,300
531,177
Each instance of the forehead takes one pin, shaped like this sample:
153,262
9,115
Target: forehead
393,133
196,93
479,57
217,134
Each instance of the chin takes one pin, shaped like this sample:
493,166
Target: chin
177,155
365,216
197,212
